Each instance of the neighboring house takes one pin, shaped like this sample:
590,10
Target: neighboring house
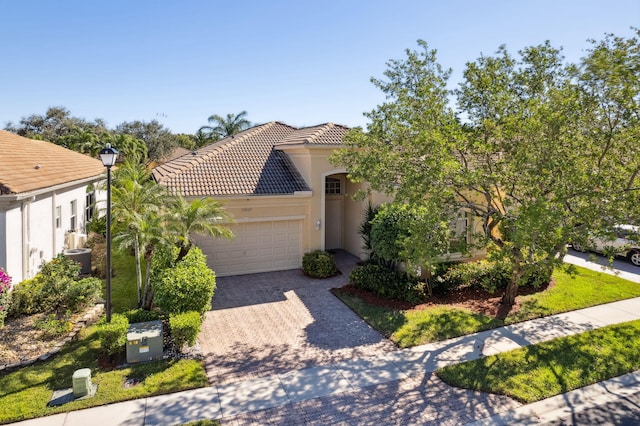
285,196
45,193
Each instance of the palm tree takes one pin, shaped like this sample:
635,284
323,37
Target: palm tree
202,216
137,205
222,127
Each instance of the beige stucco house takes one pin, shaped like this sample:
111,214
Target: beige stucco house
285,196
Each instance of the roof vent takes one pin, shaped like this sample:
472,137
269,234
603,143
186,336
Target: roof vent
194,152
37,167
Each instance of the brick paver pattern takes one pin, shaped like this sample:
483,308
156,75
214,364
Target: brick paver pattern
263,324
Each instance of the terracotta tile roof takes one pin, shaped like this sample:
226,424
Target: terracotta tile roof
323,134
29,165
247,163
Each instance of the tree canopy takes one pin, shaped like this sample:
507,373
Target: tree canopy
538,151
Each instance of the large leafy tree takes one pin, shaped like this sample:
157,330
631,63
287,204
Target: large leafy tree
159,140
528,158
220,127
54,125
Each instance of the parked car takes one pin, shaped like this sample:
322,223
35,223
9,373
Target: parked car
623,245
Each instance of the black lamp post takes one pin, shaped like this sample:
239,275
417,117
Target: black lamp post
108,156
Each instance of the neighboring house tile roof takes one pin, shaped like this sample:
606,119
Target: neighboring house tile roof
28,165
247,163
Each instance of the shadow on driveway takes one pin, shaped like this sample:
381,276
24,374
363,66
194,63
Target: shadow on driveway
263,324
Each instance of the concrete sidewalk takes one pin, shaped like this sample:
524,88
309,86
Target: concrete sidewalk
291,387
395,387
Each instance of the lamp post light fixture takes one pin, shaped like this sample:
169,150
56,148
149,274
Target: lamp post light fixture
108,156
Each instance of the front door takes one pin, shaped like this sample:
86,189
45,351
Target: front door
333,218
334,211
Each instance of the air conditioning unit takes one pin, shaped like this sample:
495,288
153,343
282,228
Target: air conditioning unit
82,256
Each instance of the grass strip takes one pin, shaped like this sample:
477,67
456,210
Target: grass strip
543,370
25,392
581,290
414,327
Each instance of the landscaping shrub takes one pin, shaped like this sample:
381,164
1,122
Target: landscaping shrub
56,288
389,283
52,326
319,264
187,286
5,295
185,327
26,298
141,315
113,335
388,231
82,294
364,229
483,275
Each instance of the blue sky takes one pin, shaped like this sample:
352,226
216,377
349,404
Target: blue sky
300,62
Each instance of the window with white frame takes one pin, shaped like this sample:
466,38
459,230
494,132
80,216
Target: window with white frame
74,214
332,186
89,206
58,217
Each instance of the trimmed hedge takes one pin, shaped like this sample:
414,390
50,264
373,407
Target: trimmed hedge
142,315
113,335
185,328
187,286
389,283
319,264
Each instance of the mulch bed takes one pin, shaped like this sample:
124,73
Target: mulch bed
478,301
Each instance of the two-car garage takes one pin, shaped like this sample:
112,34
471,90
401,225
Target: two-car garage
258,246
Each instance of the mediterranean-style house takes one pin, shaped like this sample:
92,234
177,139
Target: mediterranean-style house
46,197
285,196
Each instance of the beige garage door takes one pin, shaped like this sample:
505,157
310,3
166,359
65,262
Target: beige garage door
257,247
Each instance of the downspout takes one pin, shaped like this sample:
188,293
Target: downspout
53,224
26,236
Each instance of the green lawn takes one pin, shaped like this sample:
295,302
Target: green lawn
25,392
419,326
540,371
124,293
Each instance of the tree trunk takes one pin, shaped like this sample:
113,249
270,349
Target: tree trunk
147,298
138,271
511,291
184,250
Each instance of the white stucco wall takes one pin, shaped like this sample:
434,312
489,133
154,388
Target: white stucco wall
11,257
29,230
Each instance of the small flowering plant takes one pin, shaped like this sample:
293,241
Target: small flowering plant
5,295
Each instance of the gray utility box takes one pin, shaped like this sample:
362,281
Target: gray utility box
81,381
144,341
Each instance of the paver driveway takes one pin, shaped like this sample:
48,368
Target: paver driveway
263,324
